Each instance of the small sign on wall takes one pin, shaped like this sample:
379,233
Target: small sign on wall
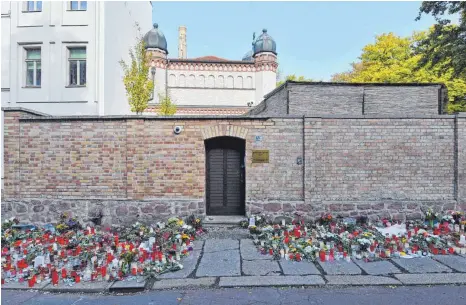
260,156
258,139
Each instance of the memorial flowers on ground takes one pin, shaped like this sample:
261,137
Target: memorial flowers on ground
69,253
330,238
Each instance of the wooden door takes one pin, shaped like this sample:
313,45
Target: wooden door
225,176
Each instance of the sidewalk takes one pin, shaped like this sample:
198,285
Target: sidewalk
230,260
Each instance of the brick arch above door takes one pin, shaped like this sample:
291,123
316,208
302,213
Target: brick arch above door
224,131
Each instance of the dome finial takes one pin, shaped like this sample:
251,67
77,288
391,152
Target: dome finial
156,26
264,30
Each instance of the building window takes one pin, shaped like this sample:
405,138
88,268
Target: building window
33,6
33,68
77,66
78,5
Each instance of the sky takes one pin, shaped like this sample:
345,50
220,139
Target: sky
314,39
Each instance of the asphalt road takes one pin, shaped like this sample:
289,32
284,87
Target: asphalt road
438,295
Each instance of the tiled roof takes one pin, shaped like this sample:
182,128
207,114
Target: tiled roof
210,58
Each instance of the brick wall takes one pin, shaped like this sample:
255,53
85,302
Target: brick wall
313,100
275,104
393,165
461,160
129,168
316,99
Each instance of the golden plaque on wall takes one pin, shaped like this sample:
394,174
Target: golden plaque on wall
260,156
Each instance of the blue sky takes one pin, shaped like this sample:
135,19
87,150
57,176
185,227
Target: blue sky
314,39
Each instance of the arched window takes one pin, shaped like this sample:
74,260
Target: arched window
191,81
221,82
210,81
172,80
239,82
230,82
249,82
182,80
201,81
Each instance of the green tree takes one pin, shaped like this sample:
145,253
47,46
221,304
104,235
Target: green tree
445,45
136,76
295,78
167,107
392,59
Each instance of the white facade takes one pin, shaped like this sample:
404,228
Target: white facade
105,29
204,83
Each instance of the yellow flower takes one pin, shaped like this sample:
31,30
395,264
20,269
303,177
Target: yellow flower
198,220
180,222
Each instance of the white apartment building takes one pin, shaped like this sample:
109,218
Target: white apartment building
62,58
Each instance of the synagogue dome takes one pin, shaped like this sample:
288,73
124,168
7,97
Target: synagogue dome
264,43
154,39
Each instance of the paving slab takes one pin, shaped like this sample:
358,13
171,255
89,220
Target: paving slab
183,283
249,251
138,284
432,278
261,267
24,285
189,264
86,287
216,245
340,268
223,263
277,280
377,268
360,280
455,262
420,265
298,268
198,244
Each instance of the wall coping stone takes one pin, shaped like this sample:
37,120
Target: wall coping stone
27,110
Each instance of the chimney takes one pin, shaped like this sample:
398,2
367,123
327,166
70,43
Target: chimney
182,51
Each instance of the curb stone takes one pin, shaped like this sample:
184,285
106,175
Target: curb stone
83,287
432,278
278,280
178,283
360,280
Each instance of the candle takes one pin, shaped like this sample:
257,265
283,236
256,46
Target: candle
283,222
282,253
77,279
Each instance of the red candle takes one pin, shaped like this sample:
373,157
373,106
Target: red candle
435,251
444,252
451,250
271,251
63,273
322,255
104,271
298,257
77,279
287,240
291,256
416,229
153,255
116,239
54,277
134,271
30,282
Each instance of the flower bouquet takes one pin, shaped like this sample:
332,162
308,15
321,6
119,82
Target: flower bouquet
431,217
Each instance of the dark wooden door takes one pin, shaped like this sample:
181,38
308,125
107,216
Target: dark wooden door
225,176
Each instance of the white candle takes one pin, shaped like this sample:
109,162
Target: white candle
283,222
282,253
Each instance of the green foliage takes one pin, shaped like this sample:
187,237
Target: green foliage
392,59
445,45
167,107
293,77
136,76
